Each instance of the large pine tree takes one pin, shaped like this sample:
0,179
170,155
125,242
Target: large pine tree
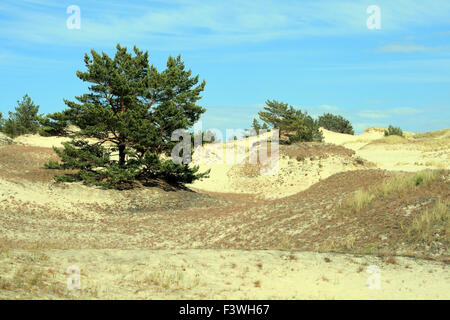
127,118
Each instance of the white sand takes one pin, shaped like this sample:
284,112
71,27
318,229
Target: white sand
235,274
396,157
288,176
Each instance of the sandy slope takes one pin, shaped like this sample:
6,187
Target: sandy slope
293,176
233,172
229,274
406,156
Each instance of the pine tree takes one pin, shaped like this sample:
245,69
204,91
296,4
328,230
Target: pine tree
130,112
2,121
24,120
335,123
256,126
53,124
298,126
277,114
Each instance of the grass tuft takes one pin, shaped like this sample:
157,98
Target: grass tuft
433,224
397,184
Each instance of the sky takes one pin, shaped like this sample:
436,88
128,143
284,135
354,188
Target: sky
318,56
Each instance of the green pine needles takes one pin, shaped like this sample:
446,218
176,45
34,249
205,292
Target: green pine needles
126,121
24,120
296,125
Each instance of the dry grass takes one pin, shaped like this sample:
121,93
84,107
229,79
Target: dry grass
168,280
393,139
285,244
429,141
31,279
399,183
24,163
433,134
432,224
360,200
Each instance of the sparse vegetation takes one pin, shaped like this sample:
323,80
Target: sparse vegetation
397,184
433,134
393,139
168,280
391,131
433,224
360,200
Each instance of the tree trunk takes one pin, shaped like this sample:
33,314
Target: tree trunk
121,155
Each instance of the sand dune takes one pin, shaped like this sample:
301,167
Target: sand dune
238,237
409,154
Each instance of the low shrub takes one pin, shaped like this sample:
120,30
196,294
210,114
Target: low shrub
393,131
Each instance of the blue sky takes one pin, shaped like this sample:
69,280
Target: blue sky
316,55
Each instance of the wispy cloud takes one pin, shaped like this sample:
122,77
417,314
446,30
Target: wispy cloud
405,111
404,48
191,24
383,114
372,114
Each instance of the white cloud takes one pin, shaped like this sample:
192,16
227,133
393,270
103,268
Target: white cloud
190,24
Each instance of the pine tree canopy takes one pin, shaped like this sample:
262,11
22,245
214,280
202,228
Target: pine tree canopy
296,125
335,123
127,118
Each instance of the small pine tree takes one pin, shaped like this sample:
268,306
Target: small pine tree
24,120
335,123
393,131
256,125
2,122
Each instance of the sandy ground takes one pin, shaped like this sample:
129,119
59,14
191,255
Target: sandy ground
290,176
132,226
279,177
230,274
395,157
